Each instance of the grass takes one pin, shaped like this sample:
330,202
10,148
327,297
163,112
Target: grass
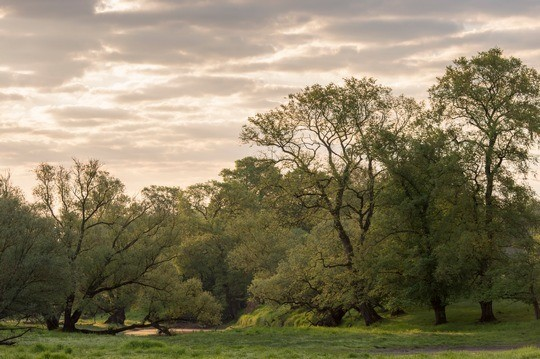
409,336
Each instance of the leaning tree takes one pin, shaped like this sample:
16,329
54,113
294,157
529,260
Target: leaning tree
110,241
325,137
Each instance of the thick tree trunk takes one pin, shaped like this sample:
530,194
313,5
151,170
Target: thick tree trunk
70,321
118,316
332,317
52,322
70,317
536,309
487,312
396,312
440,311
368,313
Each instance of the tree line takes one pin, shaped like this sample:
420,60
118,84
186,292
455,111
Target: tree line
362,200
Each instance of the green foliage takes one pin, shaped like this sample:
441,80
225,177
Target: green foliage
326,138
29,258
491,106
114,245
275,316
182,300
426,221
314,277
233,232
261,242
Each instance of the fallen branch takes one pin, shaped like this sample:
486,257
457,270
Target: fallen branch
112,331
9,340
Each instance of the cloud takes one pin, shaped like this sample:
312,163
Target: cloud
49,9
10,97
191,86
87,116
392,30
164,85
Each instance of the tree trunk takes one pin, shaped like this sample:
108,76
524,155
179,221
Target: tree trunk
440,311
118,316
52,322
368,313
487,312
331,317
536,309
70,319
396,312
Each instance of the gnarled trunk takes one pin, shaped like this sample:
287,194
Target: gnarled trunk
118,316
52,322
396,312
440,311
70,317
368,313
331,317
536,309
487,312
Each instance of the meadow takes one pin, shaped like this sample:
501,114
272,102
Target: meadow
259,335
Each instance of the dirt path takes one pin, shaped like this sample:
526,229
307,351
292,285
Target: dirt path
153,331
440,349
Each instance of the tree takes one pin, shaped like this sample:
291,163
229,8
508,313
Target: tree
325,138
311,277
426,220
518,275
492,105
29,259
203,254
110,241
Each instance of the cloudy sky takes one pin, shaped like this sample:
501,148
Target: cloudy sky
158,89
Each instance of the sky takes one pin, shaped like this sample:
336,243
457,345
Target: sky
158,90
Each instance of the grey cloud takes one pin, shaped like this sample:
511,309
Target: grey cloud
49,8
173,133
45,52
46,135
247,54
172,108
25,152
392,30
178,43
11,97
206,131
86,116
230,13
191,87
87,112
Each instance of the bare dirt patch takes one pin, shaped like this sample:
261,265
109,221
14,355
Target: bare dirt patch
440,349
153,331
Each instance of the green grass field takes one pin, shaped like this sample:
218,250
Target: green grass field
409,336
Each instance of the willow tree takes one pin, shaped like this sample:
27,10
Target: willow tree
426,220
325,137
29,259
492,105
110,241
